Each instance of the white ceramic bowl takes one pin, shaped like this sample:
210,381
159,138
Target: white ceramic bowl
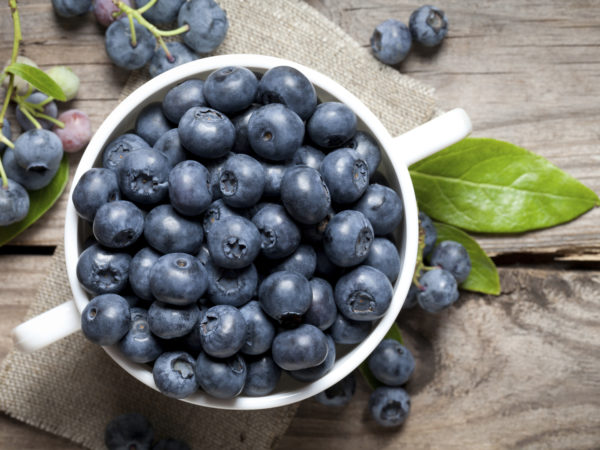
397,154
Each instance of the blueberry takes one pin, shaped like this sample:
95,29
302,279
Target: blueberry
139,272
38,151
14,203
308,156
96,187
178,279
438,290
118,224
119,46
105,319
331,125
204,255
169,145
230,89
174,374
314,373
180,54
367,148
346,331
411,297
278,232
427,226
348,238
143,176
242,181
31,180
222,331
273,176
322,311
325,268
163,12
302,261
233,287
240,122
6,132
363,294
208,24
101,271
170,444
391,41
206,132
286,85
314,233
305,195
234,243
216,212
170,321
260,330
50,109
428,25
300,348
139,344
263,376
453,257
346,175
151,123
169,232
383,207
183,97
285,296
71,8
275,132
189,188
128,431
193,341
119,148
215,166
339,394
391,363
221,378
384,256
389,406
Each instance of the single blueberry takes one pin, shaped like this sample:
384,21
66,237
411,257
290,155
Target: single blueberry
311,374
367,148
348,238
275,132
38,151
96,187
331,125
208,24
128,431
389,406
222,331
453,257
31,180
325,268
144,176
428,228
105,319
346,175
71,8
279,234
169,145
14,203
260,330
120,46
49,109
192,342
221,378
234,243
346,331
242,181
286,85
240,122
428,25
169,321
230,89
189,188
285,296
273,176
302,261
384,256
216,212
383,207
305,195
118,224
308,156
169,232
183,97
438,290
391,363
163,12
160,62
314,233
233,287
322,311
206,132
339,394
117,149
139,344
101,271
174,374
263,376
178,279
215,166
300,348
139,272
363,294
151,123
391,41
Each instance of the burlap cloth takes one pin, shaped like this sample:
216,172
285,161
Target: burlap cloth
73,388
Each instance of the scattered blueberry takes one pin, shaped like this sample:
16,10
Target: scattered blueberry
389,406
391,41
391,363
14,203
180,54
208,24
50,109
39,151
174,374
439,290
163,12
31,180
120,48
453,257
427,226
71,8
428,25
105,319
128,431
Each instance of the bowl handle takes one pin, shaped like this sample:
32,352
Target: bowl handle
48,327
431,137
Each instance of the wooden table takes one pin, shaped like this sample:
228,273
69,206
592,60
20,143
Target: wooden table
518,370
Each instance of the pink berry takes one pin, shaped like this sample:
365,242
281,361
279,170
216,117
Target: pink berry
77,131
103,10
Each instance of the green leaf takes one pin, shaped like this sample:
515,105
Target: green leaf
38,79
393,333
485,185
40,201
484,275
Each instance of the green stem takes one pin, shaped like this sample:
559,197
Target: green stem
3,176
56,122
132,27
45,102
26,112
177,31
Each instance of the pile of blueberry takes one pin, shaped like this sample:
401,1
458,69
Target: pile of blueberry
133,431
237,235
31,162
392,40
132,39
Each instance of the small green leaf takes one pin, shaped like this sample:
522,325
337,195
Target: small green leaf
393,333
40,201
484,275
490,186
38,79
